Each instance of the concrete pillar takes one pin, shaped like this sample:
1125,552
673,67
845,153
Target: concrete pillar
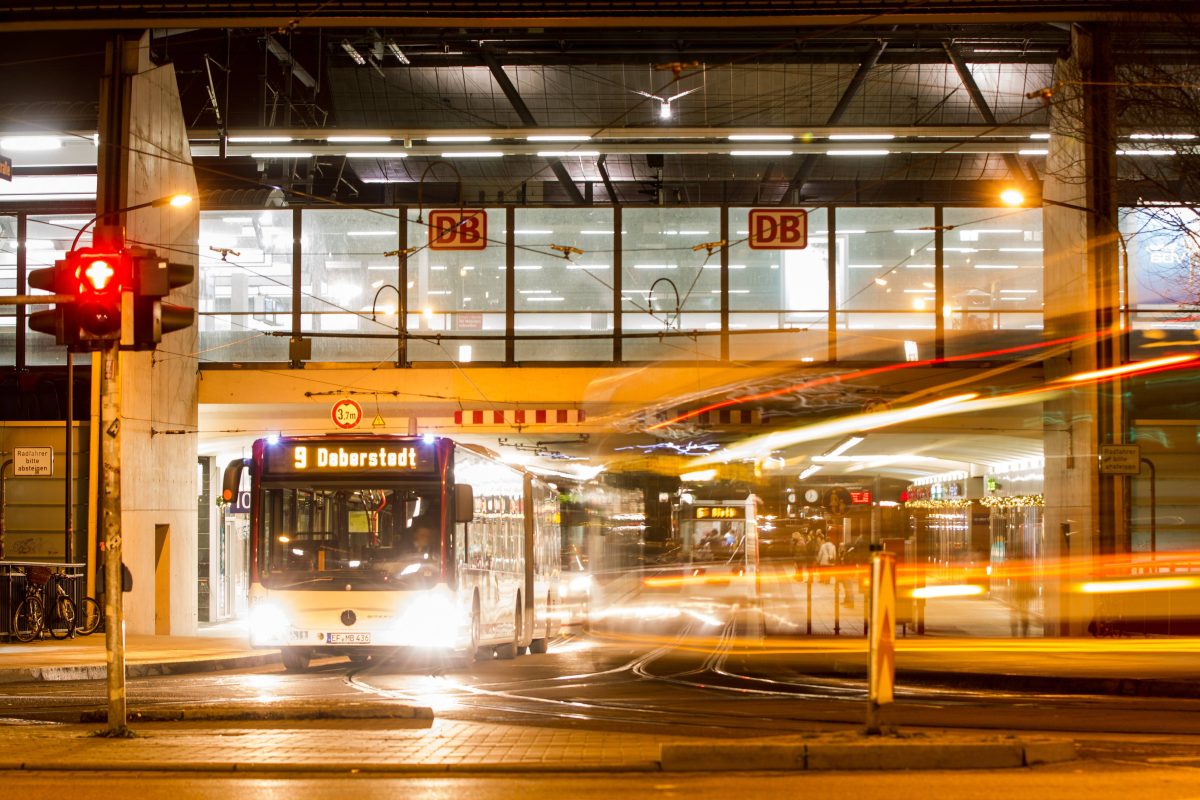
159,389
1084,511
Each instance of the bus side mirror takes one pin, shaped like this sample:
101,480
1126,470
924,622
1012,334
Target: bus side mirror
464,503
231,481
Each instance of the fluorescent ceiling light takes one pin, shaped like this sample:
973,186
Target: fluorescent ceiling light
474,154
26,144
259,139
1163,136
281,154
760,153
380,154
861,137
810,471
1042,136
354,54
1146,153
363,139
458,138
395,50
761,137
568,153
566,137
1033,152
33,188
857,152
371,233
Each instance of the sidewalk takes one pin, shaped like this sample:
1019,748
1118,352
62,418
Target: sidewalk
82,658
473,747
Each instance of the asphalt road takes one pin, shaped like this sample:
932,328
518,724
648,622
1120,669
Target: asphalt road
678,677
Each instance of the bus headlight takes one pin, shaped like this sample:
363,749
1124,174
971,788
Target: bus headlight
431,620
268,624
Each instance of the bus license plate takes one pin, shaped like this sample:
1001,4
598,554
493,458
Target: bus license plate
348,638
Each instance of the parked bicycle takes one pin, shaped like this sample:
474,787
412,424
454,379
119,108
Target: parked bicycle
35,616
89,617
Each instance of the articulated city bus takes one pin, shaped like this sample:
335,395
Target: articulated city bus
360,543
718,538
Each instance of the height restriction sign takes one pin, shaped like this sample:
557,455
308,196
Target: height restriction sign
347,414
778,228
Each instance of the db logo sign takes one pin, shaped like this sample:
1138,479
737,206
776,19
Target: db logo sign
778,229
458,229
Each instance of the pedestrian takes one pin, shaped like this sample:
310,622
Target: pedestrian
854,557
826,557
1022,592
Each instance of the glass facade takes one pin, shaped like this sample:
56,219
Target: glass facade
779,290
886,263
594,285
349,271
47,239
560,292
457,299
993,275
8,285
245,291
667,284
1162,281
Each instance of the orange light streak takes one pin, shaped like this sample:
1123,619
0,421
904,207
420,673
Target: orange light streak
864,373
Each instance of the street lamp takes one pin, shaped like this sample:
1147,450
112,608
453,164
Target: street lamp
178,200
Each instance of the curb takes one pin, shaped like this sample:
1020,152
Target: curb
136,669
1049,684
421,716
896,755
893,754
1040,684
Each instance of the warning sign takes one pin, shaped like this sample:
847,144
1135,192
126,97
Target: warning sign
458,229
778,229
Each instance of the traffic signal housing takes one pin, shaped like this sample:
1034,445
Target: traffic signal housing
153,279
96,279
59,320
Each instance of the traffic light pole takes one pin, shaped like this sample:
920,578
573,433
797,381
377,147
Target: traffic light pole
110,169
110,518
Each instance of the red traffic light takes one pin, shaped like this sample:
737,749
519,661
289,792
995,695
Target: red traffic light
99,276
98,273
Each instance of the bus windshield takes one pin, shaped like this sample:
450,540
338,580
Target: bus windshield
369,538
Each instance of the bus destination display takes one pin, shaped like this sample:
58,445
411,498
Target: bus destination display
719,512
326,459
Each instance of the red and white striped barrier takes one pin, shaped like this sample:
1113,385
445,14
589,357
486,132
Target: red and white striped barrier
521,416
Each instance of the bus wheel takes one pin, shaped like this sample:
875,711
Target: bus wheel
294,659
541,645
471,653
509,650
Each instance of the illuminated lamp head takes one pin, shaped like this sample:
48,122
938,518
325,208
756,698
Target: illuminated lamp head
1012,197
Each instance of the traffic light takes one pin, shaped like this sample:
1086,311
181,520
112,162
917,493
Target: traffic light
153,279
58,321
99,276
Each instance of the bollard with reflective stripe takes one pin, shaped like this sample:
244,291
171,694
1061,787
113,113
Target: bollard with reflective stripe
881,675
